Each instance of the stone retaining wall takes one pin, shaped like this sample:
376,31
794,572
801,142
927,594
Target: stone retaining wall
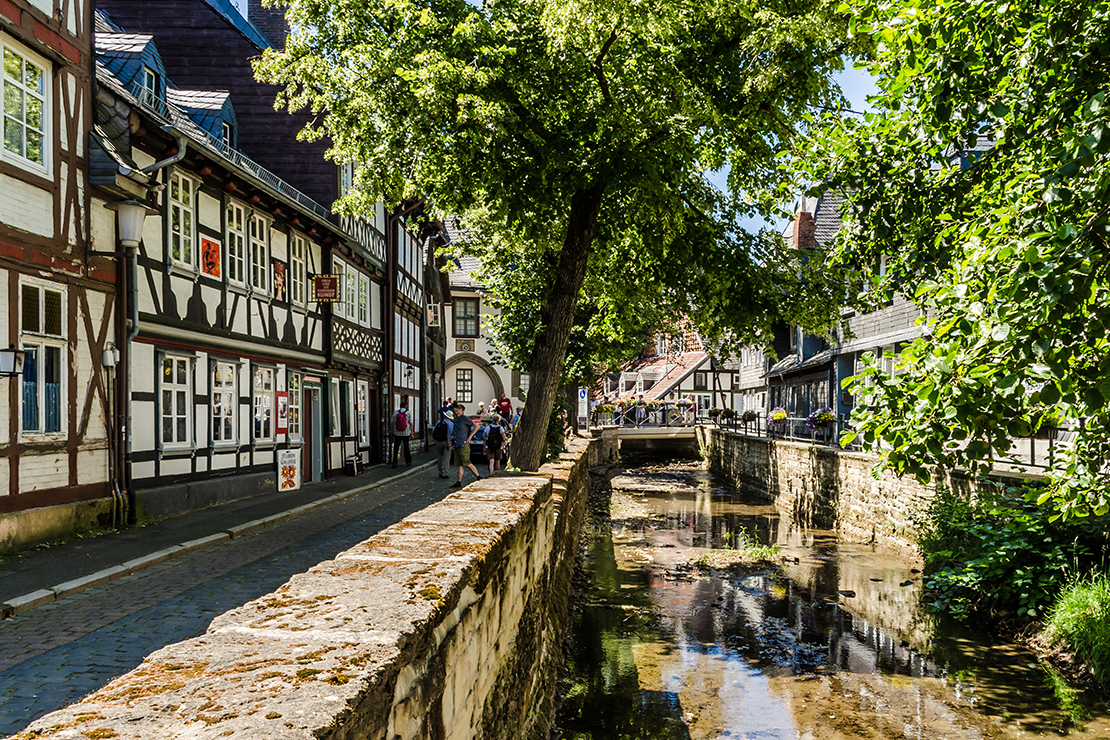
825,487
446,625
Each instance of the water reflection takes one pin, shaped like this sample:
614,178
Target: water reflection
831,645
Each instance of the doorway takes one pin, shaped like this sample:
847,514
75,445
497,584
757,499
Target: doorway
314,435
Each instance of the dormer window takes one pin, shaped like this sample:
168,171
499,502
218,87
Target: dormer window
150,84
228,135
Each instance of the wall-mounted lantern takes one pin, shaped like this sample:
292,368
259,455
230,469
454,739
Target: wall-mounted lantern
130,215
11,361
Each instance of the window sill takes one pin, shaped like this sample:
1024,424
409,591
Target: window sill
182,270
264,446
176,452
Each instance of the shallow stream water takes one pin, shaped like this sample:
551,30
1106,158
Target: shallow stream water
832,645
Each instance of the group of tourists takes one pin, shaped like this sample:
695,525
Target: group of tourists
454,431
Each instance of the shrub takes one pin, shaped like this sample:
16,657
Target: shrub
1079,622
1001,556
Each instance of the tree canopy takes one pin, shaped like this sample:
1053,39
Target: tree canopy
982,179
573,136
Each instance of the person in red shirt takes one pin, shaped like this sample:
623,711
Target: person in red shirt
505,407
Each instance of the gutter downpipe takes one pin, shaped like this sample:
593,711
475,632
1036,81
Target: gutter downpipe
133,317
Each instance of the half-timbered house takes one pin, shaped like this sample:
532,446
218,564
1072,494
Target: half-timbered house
57,290
227,351
208,45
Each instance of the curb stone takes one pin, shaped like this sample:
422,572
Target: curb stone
26,602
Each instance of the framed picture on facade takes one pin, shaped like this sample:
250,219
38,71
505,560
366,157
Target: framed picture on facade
279,280
210,257
282,398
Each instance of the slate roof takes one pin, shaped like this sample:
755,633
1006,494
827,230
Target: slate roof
790,364
459,276
209,109
241,24
826,218
122,43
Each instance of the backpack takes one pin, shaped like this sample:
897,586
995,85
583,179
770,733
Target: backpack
401,421
439,431
494,438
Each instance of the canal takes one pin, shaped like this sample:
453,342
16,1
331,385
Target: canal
668,640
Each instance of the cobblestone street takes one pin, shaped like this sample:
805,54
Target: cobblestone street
56,654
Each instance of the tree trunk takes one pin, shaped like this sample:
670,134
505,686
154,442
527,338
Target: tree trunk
556,320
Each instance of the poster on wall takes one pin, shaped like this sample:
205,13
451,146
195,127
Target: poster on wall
282,412
210,257
289,470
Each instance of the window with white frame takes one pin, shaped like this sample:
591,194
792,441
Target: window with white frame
26,107
339,269
227,132
362,409
150,85
224,403
182,221
42,337
346,177
350,292
260,253
236,244
363,299
294,406
177,401
263,404
525,383
464,385
298,278
333,403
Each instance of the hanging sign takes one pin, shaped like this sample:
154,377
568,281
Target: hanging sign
289,470
325,288
583,405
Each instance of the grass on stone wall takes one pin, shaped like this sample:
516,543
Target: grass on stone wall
1079,622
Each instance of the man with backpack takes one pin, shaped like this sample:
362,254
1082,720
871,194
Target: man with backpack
494,445
464,432
402,430
441,435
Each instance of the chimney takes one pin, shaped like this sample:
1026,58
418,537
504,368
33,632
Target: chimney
270,20
804,231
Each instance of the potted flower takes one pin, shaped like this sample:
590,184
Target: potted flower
749,416
777,417
820,418
727,414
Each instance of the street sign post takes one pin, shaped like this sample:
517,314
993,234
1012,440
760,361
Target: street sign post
583,407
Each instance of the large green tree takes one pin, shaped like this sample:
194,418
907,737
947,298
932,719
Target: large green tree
982,179
574,136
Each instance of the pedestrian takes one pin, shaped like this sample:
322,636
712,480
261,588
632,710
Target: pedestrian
516,419
402,430
441,434
493,447
505,408
443,410
482,414
464,432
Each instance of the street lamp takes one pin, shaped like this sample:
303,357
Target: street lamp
11,361
130,215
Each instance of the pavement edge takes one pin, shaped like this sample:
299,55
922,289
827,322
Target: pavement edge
42,596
